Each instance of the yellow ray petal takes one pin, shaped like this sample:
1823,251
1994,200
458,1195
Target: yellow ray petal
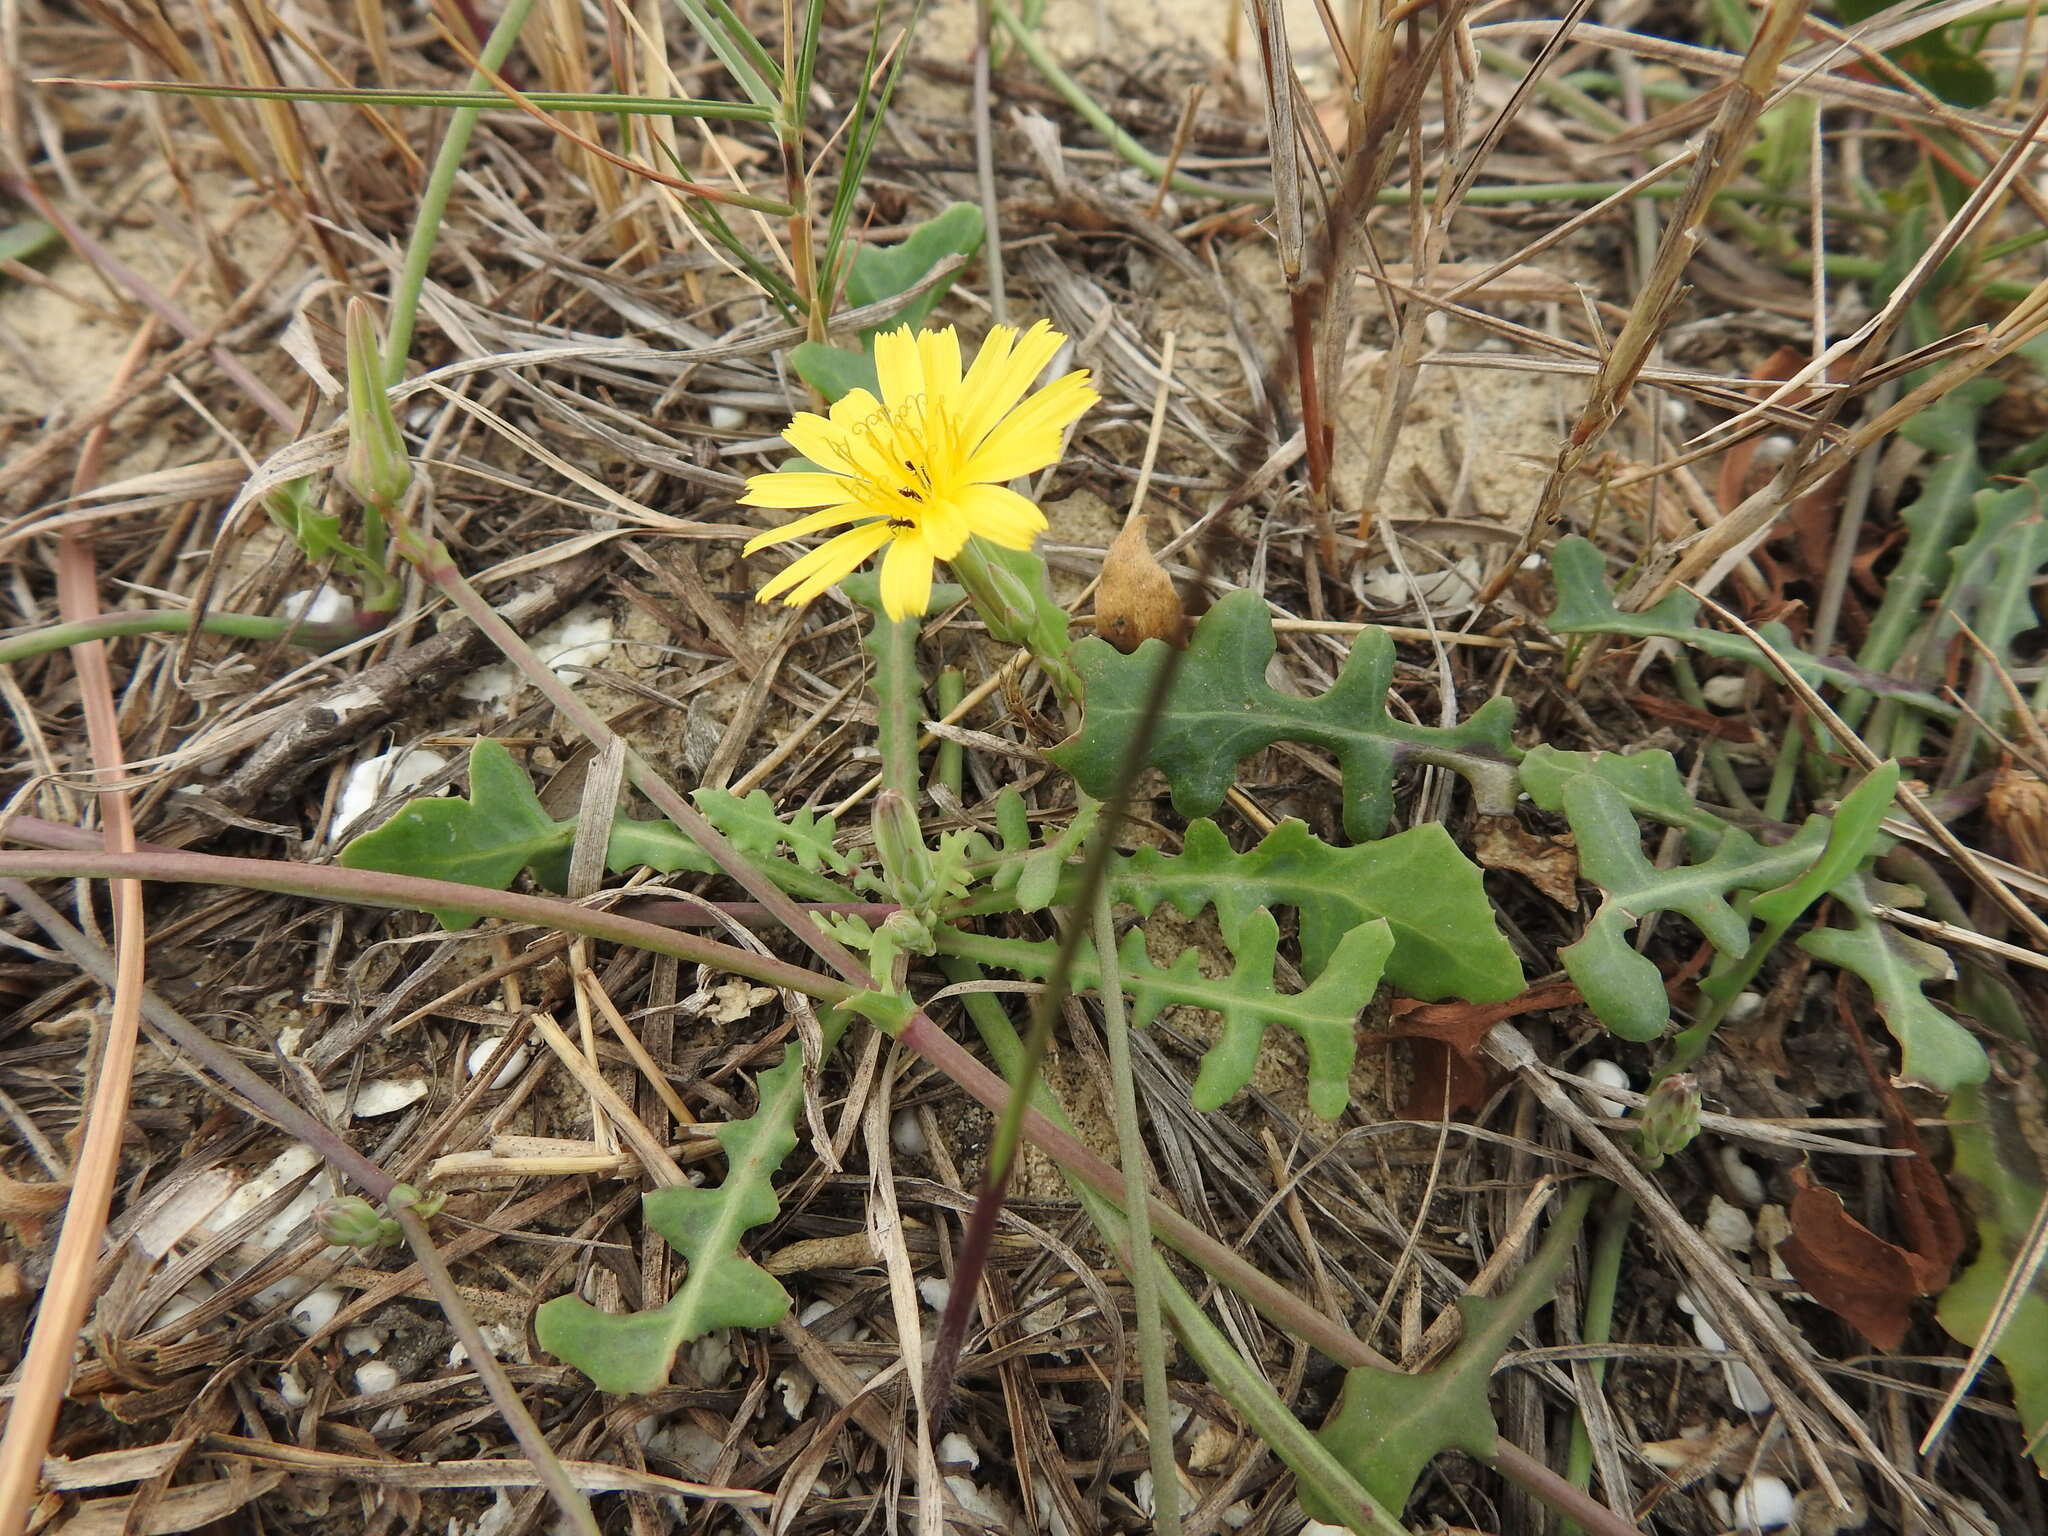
943,528
1000,515
854,408
794,488
898,367
1028,438
822,442
906,577
1000,375
830,562
939,351
831,517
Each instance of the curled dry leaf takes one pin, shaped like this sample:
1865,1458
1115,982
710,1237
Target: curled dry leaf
1446,1071
2018,806
1136,601
1552,864
1866,1281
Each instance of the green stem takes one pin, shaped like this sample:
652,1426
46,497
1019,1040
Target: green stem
950,770
897,687
1603,1277
179,621
1145,1286
1077,97
426,226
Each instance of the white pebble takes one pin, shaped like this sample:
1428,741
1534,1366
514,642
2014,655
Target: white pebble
363,1341
711,1356
316,1309
1142,1490
321,605
580,638
906,1135
936,1291
374,1376
1728,1226
1608,1074
1238,1516
1774,450
1708,1335
1728,691
388,773
1675,411
1746,1388
1743,1182
727,418
958,1451
1763,1504
481,1053
796,1387
379,1097
292,1390
1743,1006
1317,1528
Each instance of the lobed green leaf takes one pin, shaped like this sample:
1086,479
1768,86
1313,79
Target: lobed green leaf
634,1352
1221,710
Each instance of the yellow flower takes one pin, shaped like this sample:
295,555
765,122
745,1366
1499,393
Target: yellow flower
921,470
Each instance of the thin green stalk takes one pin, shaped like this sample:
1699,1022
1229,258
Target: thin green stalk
1785,770
1144,1272
1076,96
950,770
426,226
897,687
179,621
1603,1278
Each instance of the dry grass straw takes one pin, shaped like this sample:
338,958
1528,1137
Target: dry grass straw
538,427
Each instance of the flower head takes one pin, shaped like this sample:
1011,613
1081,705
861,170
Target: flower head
921,471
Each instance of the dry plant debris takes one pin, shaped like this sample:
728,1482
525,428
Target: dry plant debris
1561,536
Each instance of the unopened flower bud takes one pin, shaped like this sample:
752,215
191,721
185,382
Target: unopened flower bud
351,1221
900,842
1669,1119
376,466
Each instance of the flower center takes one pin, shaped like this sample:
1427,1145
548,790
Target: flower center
900,457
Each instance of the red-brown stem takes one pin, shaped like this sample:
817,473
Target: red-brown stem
1315,433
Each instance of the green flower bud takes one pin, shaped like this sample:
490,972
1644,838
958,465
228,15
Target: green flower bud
900,842
1668,1120
376,466
352,1222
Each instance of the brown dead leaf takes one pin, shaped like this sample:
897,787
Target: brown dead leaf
1442,1082
1867,1282
1926,1214
2018,807
1137,601
23,1206
1445,1064
1740,731
1860,1277
1552,864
